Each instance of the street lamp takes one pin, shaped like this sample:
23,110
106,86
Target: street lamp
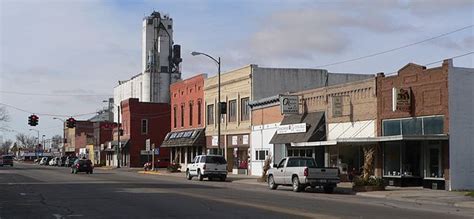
218,61
118,131
64,133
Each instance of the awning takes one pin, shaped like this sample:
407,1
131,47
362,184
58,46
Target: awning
439,137
123,144
186,138
315,128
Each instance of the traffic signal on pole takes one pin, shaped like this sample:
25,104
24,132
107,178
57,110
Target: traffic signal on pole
33,120
71,123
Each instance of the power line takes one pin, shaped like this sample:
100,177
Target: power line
55,95
47,114
394,49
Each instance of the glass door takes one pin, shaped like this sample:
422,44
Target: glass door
433,160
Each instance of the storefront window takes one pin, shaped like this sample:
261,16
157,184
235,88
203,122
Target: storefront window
433,163
411,126
411,158
391,127
433,125
300,152
392,158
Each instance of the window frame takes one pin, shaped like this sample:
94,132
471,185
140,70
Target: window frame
232,110
210,115
257,154
144,132
191,113
244,109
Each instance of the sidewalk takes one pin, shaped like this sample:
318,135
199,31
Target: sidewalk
405,194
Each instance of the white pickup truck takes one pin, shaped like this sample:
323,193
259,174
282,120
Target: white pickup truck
301,172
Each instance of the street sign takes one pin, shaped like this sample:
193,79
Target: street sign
145,152
157,151
147,144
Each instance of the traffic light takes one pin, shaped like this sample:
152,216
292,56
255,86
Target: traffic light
33,120
71,123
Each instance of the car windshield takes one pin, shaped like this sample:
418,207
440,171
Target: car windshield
301,162
215,159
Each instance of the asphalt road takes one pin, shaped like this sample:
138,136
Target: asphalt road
32,191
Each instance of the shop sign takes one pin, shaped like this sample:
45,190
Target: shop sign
401,99
234,140
337,106
147,144
245,139
214,140
292,128
70,149
289,104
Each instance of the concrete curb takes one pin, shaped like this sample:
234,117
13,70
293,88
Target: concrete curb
464,204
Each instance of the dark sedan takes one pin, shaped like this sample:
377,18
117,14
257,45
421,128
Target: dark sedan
82,165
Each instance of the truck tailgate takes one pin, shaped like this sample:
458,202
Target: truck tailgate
323,173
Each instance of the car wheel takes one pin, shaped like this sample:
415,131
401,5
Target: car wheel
296,184
200,177
188,175
328,189
223,178
271,183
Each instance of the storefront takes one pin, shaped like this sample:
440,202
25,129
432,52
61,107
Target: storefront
297,129
238,153
185,145
415,152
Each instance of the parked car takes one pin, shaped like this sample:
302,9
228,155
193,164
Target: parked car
207,166
45,160
301,172
6,160
62,161
82,165
70,161
54,161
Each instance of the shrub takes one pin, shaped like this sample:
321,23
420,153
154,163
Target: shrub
372,181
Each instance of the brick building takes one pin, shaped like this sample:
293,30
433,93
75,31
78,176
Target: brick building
336,120
423,124
78,137
186,139
142,121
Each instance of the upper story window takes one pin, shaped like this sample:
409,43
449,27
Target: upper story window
244,109
144,126
210,114
182,115
232,110
190,113
175,122
199,112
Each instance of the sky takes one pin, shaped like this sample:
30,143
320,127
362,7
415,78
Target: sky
63,58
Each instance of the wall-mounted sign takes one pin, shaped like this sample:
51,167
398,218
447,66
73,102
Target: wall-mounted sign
401,99
214,140
245,139
234,140
292,128
289,104
337,106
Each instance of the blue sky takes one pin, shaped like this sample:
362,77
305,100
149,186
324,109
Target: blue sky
86,46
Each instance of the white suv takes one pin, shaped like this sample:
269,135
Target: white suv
207,166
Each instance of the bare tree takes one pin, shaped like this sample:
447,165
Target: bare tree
56,141
26,141
6,146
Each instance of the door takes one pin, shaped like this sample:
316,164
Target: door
278,173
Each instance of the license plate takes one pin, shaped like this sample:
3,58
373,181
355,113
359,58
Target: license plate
323,180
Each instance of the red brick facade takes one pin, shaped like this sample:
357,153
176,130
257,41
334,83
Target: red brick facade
157,117
186,96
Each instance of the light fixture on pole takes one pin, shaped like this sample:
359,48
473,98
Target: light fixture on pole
64,135
218,61
118,132
36,148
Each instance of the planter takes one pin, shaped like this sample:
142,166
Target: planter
367,188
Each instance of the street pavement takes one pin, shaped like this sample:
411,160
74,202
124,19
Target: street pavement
33,191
